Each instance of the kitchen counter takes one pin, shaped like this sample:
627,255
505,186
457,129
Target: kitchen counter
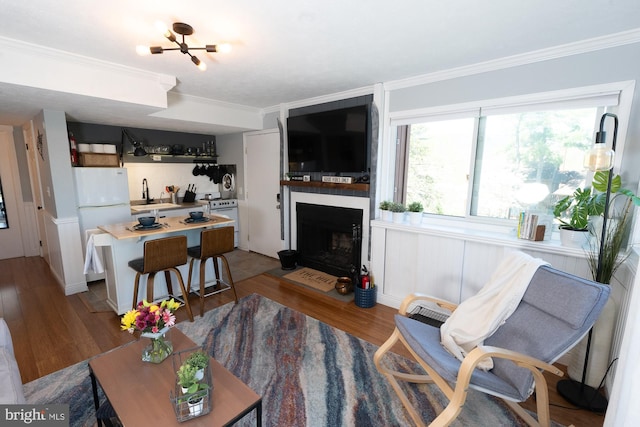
168,225
140,204
121,243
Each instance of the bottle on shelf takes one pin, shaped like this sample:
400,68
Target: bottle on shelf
74,149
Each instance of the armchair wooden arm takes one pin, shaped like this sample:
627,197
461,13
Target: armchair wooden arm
412,298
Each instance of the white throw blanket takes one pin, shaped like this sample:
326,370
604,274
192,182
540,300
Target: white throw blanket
478,317
92,260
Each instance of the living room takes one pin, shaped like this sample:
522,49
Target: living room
589,62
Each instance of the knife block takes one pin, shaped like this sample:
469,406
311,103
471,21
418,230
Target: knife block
189,197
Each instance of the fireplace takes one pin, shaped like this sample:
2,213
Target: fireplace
329,238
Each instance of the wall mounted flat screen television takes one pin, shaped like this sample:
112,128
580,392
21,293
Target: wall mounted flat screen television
334,141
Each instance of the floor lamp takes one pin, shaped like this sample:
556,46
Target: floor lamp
599,159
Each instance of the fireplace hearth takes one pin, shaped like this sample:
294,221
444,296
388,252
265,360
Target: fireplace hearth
329,238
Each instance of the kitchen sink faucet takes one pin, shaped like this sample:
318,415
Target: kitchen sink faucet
145,191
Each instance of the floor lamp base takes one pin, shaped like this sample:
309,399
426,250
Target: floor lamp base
582,395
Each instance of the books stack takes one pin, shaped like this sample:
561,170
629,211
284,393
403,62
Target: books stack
528,227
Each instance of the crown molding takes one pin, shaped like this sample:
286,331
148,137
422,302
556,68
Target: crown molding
561,51
167,82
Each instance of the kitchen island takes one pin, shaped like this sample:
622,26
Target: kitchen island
123,242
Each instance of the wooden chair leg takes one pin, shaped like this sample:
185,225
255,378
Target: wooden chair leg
203,265
167,276
226,266
190,277
136,283
184,293
150,280
217,273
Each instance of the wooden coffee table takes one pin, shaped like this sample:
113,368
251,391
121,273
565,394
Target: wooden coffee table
139,391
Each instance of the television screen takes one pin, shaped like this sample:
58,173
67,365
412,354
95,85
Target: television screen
332,141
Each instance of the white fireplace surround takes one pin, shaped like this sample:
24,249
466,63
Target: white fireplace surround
332,200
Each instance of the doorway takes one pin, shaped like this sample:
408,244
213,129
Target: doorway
262,166
10,198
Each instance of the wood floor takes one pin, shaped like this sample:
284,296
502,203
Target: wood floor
51,331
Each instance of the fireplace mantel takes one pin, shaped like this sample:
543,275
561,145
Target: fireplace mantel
328,185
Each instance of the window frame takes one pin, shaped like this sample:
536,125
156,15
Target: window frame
618,95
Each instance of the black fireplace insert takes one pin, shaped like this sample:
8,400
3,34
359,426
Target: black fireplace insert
329,238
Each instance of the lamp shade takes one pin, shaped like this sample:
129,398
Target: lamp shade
600,158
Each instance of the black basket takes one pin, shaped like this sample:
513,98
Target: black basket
365,298
183,404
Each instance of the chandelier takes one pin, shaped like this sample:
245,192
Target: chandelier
184,30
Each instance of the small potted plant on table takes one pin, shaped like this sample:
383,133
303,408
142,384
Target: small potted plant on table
199,360
193,392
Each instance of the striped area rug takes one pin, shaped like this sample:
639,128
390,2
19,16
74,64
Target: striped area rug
307,372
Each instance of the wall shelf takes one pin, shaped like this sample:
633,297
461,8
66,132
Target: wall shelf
327,185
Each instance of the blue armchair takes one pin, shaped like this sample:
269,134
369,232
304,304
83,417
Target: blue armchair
556,311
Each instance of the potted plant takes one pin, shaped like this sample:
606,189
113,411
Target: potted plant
617,227
187,378
415,213
397,211
573,213
385,211
199,360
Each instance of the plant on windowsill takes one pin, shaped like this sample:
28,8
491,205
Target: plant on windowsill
415,213
385,212
398,210
573,213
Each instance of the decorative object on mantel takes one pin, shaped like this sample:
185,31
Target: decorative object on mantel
153,321
184,30
600,160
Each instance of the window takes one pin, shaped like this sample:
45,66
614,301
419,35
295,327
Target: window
498,159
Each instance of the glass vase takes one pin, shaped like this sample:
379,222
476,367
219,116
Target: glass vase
160,347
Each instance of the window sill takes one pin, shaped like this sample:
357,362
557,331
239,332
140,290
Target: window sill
482,233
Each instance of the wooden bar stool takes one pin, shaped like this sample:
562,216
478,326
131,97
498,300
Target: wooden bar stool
213,244
162,255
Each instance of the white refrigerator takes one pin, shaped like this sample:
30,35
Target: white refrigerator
103,198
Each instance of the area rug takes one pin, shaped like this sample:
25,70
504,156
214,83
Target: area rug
307,372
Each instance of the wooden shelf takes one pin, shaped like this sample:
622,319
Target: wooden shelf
319,184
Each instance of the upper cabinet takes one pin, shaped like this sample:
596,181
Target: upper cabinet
135,145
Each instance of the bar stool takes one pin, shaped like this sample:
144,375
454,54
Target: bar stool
213,244
163,254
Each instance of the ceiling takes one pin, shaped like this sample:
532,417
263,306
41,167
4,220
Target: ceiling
287,51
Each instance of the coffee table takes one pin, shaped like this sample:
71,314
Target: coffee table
139,391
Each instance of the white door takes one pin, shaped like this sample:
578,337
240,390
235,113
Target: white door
10,228
262,182
36,187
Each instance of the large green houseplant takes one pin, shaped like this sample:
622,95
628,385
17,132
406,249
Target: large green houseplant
618,220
